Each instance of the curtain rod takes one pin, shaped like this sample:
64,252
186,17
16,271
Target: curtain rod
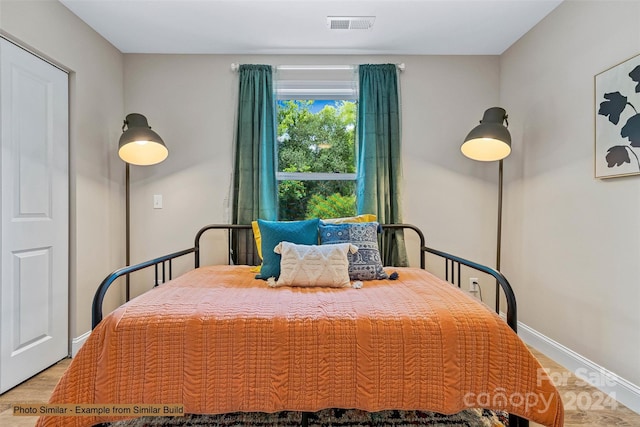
235,67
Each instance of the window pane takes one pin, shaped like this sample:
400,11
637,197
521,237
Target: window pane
316,137
316,199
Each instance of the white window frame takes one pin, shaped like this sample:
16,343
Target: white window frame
315,176
317,89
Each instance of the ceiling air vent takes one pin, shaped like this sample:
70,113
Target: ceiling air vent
350,22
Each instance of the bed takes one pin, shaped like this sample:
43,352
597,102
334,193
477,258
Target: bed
218,340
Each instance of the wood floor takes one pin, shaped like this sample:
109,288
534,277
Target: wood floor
39,388
577,397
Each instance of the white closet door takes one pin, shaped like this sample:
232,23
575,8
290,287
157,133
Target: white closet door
35,215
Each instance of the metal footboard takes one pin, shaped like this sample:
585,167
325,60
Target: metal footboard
453,263
163,266
163,272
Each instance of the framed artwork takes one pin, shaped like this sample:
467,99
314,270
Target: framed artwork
617,120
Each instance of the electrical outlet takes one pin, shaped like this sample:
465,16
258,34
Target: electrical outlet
474,285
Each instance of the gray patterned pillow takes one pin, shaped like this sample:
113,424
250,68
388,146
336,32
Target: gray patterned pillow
366,264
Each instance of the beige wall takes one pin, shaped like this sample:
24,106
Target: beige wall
572,242
96,113
190,101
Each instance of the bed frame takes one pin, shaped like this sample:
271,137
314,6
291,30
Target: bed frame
163,272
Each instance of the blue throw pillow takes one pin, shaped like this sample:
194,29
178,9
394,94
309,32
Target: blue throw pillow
273,232
366,264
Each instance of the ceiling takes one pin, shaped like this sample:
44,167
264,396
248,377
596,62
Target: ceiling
410,27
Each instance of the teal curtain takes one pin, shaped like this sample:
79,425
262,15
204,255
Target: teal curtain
379,163
255,191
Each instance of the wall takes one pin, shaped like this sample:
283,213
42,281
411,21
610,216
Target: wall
96,114
190,101
572,242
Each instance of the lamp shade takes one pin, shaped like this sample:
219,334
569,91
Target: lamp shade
139,145
490,140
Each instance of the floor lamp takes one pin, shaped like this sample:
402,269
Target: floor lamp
141,146
490,141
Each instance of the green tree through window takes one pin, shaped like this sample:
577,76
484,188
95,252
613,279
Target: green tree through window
316,159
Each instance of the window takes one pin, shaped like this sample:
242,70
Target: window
316,149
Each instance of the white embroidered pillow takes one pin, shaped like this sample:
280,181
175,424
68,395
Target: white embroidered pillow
314,265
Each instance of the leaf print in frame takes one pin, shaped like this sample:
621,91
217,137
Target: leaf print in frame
617,120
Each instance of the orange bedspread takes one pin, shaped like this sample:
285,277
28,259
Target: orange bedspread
217,340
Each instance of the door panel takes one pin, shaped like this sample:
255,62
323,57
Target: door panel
32,288
35,203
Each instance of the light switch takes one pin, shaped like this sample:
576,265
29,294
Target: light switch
157,201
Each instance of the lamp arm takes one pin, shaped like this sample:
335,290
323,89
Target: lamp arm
499,232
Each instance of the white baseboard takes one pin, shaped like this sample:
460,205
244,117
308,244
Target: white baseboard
606,381
77,342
